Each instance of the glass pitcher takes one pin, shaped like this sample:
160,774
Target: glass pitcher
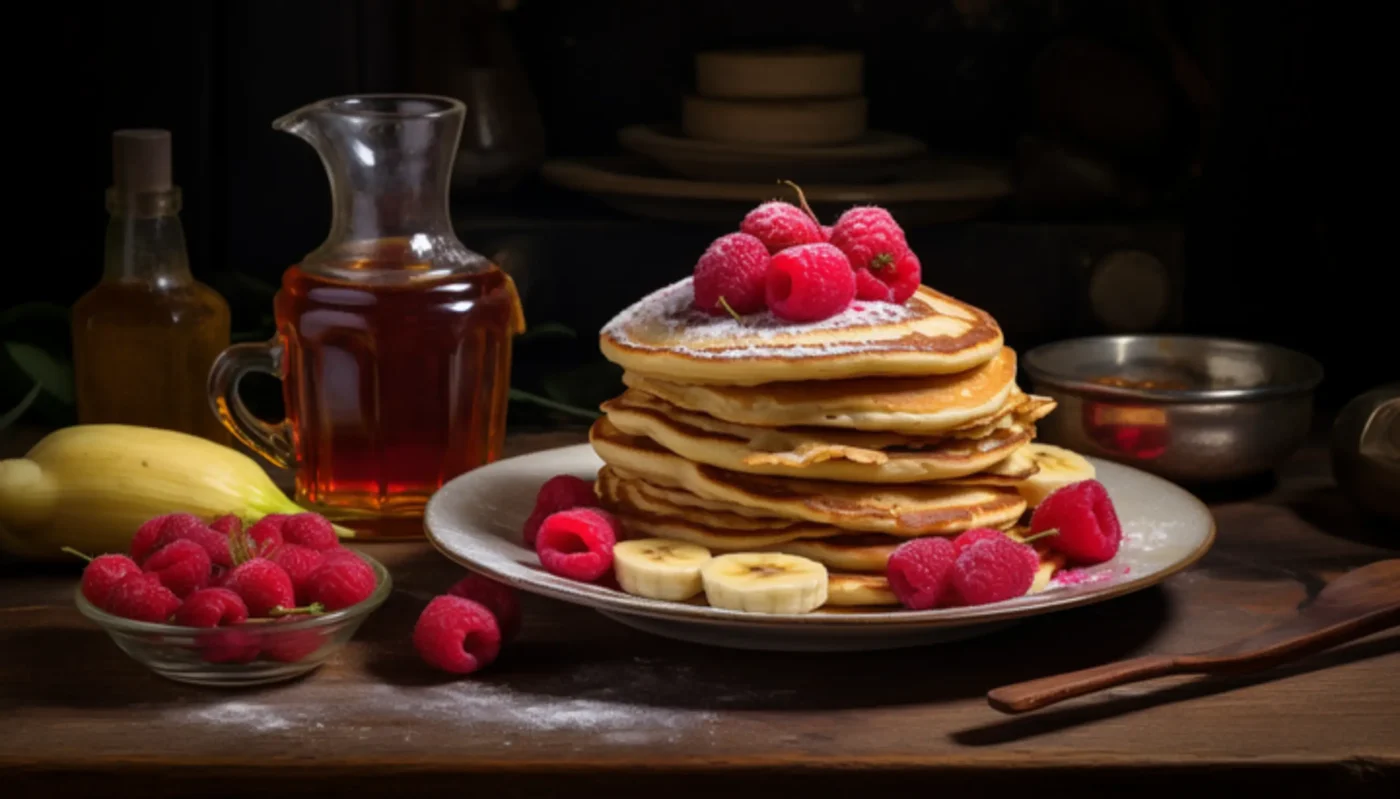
393,339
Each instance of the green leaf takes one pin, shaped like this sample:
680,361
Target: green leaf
53,374
519,395
12,415
33,311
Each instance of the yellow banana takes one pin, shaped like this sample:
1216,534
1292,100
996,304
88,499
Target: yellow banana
91,486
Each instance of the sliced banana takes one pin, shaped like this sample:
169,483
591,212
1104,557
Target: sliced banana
1058,468
659,568
764,582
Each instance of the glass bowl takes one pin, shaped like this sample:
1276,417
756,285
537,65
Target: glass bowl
252,653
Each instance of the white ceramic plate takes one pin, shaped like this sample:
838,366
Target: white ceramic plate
876,156
476,519
924,190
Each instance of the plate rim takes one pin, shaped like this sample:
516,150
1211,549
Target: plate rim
880,619
887,146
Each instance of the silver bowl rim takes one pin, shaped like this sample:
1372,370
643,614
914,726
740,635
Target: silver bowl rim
1311,368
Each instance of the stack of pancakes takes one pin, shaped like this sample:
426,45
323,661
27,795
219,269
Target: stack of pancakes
836,440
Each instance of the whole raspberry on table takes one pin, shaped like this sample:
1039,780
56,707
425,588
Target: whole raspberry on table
560,492
809,283
340,582
311,530
211,607
182,566
869,237
500,599
457,635
1083,513
578,544
262,585
299,563
994,570
143,598
730,273
103,573
779,225
920,571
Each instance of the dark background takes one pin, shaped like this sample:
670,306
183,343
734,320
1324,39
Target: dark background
1246,181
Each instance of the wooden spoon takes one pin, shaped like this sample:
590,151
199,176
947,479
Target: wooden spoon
1361,602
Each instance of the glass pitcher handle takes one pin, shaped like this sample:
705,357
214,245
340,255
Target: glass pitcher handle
272,441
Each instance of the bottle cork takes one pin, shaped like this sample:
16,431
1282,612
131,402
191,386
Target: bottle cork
141,160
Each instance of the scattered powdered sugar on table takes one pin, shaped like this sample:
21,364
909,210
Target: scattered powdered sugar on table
248,715
670,310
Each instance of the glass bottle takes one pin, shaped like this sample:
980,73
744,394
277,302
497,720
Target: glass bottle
145,337
393,339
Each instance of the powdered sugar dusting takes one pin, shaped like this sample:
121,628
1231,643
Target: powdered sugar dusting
669,310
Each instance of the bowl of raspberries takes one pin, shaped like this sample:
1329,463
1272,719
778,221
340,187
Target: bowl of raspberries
215,603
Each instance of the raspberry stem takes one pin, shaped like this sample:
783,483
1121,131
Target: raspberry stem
881,261
1040,535
72,551
802,200
314,609
725,304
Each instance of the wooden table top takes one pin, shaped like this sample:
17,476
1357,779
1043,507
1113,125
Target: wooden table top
580,701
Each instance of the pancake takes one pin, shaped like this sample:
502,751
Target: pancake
663,337
903,510
912,406
815,453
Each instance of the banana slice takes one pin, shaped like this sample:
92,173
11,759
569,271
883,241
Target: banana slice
659,568
1058,468
764,582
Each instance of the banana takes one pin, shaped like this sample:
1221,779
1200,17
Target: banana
90,486
658,568
764,582
1058,468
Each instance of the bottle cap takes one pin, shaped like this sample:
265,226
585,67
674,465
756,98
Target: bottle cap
141,160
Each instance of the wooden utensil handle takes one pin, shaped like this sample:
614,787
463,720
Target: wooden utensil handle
1034,694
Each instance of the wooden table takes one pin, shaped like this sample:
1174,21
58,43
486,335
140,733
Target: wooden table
583,703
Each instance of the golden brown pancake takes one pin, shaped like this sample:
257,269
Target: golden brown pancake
662,336
816,453
903,510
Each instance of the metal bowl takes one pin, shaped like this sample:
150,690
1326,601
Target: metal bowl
1188,408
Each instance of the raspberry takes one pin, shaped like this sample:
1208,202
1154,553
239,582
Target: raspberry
894,283
211,607
578,543
869,237
456,635
229,646
290,646
143,598
298,562
227,525
869,287
340,582
1088,524
826,232
809,282
993,570
182,566
266,533
970,537
919,571
560,492
310,530
262,585
103,573
500,599
730,272
779,225
160,531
